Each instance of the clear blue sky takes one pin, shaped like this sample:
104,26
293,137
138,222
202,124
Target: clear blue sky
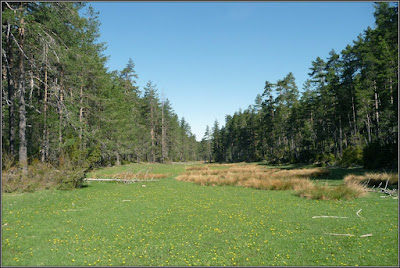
212,58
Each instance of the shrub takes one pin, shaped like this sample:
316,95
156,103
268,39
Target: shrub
41,176
352,156
340,192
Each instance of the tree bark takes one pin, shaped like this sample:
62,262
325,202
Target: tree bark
80,117
164,151
11,92
60,111
376,110
23,152
44,142
152,133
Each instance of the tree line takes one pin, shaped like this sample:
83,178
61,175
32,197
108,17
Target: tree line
347,113
59,101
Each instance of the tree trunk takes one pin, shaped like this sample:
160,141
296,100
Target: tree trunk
117,162
354,115
340,137
368,122
376,111
11,92
153,155
60,111
45,133
23,152
80,117
163,136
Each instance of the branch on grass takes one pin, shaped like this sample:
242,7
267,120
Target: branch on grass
358,213
339,234
337,217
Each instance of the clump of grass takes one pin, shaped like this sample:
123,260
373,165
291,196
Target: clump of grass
373,179
197,168
302,173
253,176
340,192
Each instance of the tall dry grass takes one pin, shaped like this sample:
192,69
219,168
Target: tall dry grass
253,176
373,179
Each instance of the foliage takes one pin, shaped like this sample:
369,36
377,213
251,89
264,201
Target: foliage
352,156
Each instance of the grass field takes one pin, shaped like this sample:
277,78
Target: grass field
176,223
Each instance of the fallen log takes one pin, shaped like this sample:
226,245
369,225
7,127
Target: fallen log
337,217
117,180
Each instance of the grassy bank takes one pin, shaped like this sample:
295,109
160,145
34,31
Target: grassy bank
170,222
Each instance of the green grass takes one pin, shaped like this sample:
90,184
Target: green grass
170,222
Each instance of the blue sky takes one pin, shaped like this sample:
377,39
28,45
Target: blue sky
212,58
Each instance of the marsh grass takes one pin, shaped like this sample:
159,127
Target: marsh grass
332,192
253,176
373,179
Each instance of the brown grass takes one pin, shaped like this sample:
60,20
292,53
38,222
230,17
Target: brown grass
373,179
338,192
253,176
197,168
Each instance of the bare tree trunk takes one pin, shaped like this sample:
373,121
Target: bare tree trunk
376,111
80,117
164,151
23,152
60,112
354,115
340,138
153,155
45,133
117,162
368,121
11,92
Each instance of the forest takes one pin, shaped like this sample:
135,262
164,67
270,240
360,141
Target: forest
347,113
63,107
59,101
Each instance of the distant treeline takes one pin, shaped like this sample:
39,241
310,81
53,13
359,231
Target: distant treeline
347,114
59,102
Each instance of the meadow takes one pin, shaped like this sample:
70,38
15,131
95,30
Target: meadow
177,223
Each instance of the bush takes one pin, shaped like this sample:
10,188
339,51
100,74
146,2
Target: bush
42,176
377,155
340,192
352,156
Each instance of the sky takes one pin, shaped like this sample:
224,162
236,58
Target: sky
211,59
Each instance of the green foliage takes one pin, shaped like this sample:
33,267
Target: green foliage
352,155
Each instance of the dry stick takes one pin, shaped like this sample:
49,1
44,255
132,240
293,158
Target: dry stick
315,217
358,213
339,234
366,235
